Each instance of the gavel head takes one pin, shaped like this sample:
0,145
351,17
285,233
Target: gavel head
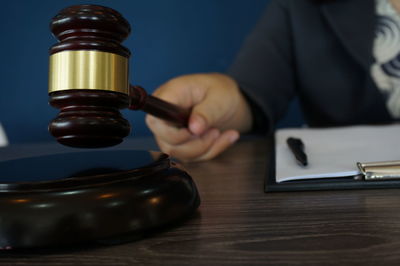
88,76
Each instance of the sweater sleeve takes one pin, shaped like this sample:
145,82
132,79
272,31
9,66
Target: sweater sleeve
264,67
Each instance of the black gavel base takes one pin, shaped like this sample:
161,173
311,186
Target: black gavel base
90,197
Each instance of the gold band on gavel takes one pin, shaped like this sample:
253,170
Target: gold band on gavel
91,70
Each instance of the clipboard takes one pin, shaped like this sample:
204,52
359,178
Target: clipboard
368,178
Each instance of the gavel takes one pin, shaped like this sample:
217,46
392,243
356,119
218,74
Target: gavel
89,80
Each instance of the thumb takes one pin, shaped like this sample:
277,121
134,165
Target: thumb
205,116
197,124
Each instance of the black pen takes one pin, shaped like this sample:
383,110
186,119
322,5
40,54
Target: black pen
297,148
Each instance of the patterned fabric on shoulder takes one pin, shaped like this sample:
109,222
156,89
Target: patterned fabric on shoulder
386,69
3,137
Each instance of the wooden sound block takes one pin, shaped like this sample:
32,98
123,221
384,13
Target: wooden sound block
91,196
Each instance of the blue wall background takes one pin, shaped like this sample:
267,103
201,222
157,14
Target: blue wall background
169,38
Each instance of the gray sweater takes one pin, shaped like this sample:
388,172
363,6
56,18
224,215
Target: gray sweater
320,52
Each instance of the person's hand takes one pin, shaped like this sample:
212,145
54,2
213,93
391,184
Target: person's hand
219,114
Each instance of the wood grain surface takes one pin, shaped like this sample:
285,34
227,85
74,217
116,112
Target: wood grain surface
239,224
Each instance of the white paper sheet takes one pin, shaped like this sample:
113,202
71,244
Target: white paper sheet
334,152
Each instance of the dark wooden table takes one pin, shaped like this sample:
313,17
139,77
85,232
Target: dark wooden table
239,224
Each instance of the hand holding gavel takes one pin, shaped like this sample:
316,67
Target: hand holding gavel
88,80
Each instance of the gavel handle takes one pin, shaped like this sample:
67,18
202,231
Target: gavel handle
140,100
